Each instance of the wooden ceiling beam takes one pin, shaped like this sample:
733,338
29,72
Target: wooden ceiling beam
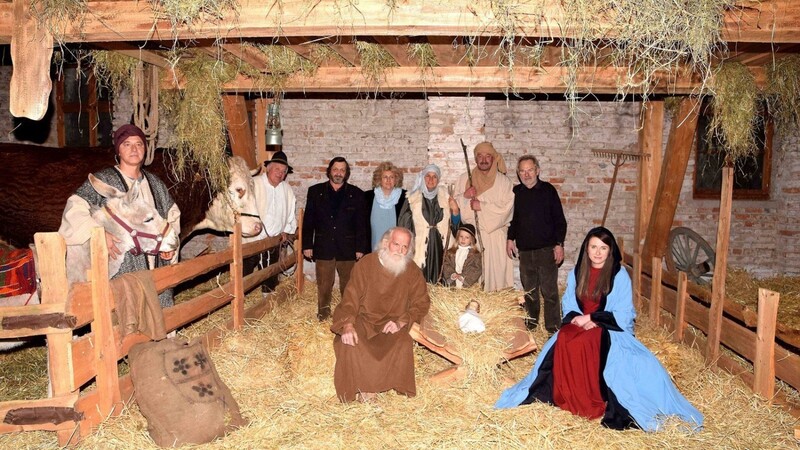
548,79
769,21
147,56
247,54
397,46
448,50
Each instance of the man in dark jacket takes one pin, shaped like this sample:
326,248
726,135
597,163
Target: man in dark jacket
334,231
537,231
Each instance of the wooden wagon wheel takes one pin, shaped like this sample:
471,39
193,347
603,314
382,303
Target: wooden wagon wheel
690,253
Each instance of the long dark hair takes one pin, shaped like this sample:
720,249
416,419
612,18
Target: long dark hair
337,160
612,265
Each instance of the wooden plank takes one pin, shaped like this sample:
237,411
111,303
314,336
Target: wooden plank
397,46
61,401
346,48
248,55
51,253
238,126
650,144
549,79
637,281
128,20
764,363
680,307
148,56
237,307
655,297
260,129
89,404
300,278
105,348
734,336
720,264
448,50
673,172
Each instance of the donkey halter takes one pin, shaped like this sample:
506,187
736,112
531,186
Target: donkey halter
135,234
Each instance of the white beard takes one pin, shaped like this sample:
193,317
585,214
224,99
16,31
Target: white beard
394,263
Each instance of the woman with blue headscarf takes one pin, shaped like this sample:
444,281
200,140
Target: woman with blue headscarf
428,215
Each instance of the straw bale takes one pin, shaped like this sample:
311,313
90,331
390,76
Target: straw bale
280,370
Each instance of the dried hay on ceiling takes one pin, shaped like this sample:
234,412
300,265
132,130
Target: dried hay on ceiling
189,12
374,61
735,110
115,70
783,93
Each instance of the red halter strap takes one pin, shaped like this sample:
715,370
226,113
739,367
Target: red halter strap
135,234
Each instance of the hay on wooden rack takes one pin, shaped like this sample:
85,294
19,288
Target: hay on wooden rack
423,54
742,287
374,61
783,93
736,110
115,70
189,12
57,15
324,55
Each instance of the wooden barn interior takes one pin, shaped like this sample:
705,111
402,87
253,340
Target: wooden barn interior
631,107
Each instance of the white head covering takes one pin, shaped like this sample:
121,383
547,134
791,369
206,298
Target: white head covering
419,184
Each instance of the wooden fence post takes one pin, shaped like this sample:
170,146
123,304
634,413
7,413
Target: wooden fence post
51,251
300,277
105,347
237,306
764,363
680,307
655,292
637,280
720,267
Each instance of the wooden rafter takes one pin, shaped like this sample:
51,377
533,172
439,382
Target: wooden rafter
147,56
397,46
766,21
547,79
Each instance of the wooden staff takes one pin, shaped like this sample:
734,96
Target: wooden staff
469,185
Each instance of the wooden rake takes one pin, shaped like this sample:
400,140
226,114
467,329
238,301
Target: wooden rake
618,159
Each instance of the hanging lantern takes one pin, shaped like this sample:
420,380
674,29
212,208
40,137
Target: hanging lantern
274,131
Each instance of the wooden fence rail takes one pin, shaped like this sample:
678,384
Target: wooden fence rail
770,360
72,410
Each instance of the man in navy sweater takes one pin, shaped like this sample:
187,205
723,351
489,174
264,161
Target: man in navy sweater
536,234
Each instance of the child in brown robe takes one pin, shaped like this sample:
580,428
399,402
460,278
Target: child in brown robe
462,265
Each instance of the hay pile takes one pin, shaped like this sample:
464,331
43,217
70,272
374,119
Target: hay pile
280,371
742,287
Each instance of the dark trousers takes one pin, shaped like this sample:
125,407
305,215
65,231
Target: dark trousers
326,274
539,273
260,261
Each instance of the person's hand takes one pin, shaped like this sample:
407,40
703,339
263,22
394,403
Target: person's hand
558,254
166,256
471,192
359,255
589,325
309,254
111,244
454,276
284,237
580,321
391,327
511,249
475,204
454,209
349,335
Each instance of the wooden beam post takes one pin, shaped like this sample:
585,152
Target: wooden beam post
236,275
673,171
764,363
655,292
298,248
637,281
105,347
680,307
241,137
720,266
260,129
650,146
51,251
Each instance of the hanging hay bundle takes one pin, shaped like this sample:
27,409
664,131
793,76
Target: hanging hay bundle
188,12
374,61
423,54
199,120
282,64
481,352
115,70
57,15
783,93
735,105
324,55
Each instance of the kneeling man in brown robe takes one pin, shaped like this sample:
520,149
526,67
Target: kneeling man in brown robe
386,294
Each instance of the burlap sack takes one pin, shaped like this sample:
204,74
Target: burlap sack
180,393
